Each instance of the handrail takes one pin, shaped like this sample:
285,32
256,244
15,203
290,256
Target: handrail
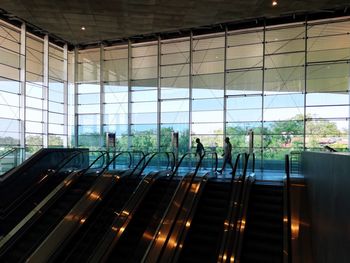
142,155
242,214
6,210
8,152
66,161
178,214
18,229
129,208
289,213
190,176
115,157
231,242
150,159
232,210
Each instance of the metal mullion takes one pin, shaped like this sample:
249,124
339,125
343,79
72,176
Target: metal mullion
65,95
46,93
102,95
262,100
305,83
244,45
159,108
244,69
76,119
23,86
190,93
129,93
174,64
225,90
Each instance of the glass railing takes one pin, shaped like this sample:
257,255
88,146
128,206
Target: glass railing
11,158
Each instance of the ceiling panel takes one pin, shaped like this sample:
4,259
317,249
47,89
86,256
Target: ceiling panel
116,19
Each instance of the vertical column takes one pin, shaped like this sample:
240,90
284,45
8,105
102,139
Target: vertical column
23,87
129,94
225,92
305,83
65,95
102,95
190,94
158,96
76,123
45,119
262,100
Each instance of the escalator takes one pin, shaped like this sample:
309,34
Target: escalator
22,241
80,238
263,236
202,241
37,232
150,211
27,200
80,246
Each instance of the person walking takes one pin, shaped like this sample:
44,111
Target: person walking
200,148
227,155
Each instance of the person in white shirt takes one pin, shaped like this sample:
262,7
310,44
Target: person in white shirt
227,155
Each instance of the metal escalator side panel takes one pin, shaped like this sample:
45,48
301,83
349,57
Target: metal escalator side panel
229,224
74,219
165,225
152,228
30,219
122,220
241,222
183,221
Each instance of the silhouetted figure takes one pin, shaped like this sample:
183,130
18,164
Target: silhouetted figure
227,155
200,148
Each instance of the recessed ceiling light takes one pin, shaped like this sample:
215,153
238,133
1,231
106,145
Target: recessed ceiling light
274,3
83,28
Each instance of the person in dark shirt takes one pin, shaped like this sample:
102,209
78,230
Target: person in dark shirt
200,148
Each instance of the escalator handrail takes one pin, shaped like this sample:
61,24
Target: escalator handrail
116,156
189,219
18,229
150,159
183,203
234,248
232,210
8,152
15,203
288,210
142,156
190,177
172,154
183,157
128,209
66,161
215,154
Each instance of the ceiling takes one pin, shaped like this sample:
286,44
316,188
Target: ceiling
118,19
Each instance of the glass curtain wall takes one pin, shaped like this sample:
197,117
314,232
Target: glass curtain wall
144,97
10,87
88,98
284,89
35,110
56,97
32,90
115,87
174,93
244,89
327,85
288,83
208,63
